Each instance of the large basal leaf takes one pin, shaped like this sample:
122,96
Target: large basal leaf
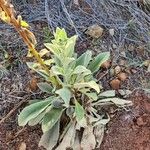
37,119
65,94
45,87
33,111
91,84
80,114
88,141
68,138
49,139
84,59
51,118
98,61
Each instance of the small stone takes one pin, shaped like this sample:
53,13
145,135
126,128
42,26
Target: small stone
111,32
22,146
115,84
117,69
122,76
114,46
140,121
106,64
95,31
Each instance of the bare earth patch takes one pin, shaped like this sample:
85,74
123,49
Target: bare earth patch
128,130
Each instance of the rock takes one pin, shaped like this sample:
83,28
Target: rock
115,84
117,69
106,64
95,31
122,76
111,32
22,146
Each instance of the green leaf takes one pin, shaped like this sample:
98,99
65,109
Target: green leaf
92,95
84,59
53,48
34,101
49,138
68,60
116,101
60,34
80,114
65,94
48,62
69,48
57,70
32,111
109,93
98,61
43,52
51,118
36,68
37,119
91,84
45,87
80,69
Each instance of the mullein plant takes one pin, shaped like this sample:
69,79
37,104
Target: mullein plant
71,116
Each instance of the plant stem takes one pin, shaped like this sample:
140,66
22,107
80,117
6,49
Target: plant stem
8,9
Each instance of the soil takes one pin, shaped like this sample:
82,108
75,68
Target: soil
128,130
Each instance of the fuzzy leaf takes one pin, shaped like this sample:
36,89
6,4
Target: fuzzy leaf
48,62
84,59
92,95
65,94
57,70
69,48
53,48
91,84
43,52
49,139
37,119
68,139
102,121
98,61
80,114
45,87
33,111
109,93
60,34
51,118
80,69
88,141
116,101
99,134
